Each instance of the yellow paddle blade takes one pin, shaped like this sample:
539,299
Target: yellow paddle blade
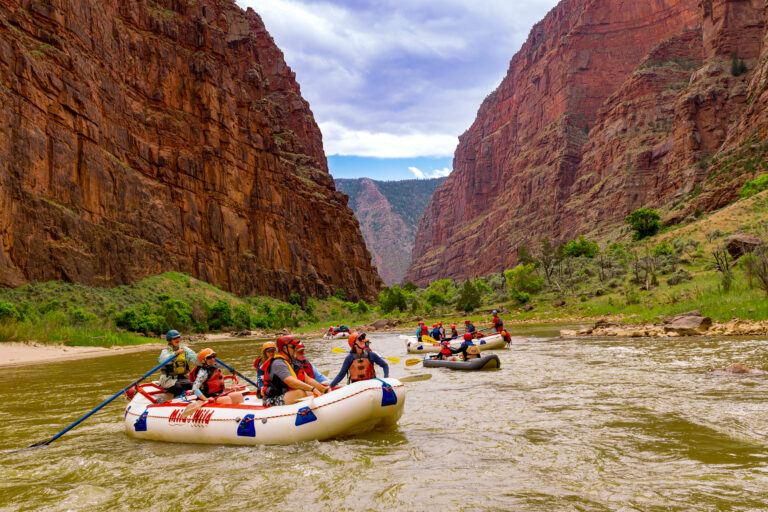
428,339
339,350
412,362
393,360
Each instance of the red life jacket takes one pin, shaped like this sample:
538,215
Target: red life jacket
306,368
424,330
497,323
361,367
445,353
214,385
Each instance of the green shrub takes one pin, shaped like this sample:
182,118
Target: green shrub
79,317
738,67
177,313
8,311
391,299
663,249
755,186
580,246
340,294
241,317
520,297
435,298
362,306
644,223
679,277
163,297
523,278
410,287
469,297
219,315
295,299
51,305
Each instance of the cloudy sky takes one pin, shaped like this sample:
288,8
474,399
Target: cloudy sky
393,83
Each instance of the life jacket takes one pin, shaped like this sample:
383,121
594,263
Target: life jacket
178,366
424,330
361,367
497,323
506,336
306,369
454,333
436,333
273,386
470,328
473,352
213,385
445,353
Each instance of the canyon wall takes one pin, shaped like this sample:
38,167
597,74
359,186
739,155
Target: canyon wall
142,136
388,212
609,106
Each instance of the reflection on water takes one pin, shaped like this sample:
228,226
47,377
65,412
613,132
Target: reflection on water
588,424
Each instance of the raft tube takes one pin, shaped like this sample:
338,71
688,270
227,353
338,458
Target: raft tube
486,362
336,336
349,410
486,343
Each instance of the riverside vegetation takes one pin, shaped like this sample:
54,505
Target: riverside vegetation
645,272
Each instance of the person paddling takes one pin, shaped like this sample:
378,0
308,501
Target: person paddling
454,332
308,368
436,332
446,354
284,382
469,328
498,325
422,330
468,349
175,380
268,350
359,362
209,381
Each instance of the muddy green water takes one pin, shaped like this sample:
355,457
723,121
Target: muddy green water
590,424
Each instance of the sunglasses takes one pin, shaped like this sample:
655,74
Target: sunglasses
211,357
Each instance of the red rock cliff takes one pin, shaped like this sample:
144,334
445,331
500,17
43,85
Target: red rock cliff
609,106
143,136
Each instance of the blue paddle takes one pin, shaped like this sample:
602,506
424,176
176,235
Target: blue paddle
150,372
225,365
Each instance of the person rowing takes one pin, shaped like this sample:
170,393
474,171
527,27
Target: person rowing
175,375
468,349
358,365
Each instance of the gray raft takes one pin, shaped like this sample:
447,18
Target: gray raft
486,362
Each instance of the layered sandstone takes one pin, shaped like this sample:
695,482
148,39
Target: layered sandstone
145,136
610,105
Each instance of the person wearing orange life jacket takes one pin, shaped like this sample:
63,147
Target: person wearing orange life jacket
268,350
209,381
454,332
308,368
358,365
284,379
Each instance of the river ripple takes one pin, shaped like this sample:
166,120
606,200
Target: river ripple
588,424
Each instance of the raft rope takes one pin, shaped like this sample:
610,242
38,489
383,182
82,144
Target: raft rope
277,415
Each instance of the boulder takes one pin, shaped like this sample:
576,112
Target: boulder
695,312
382,323
742,243
688,325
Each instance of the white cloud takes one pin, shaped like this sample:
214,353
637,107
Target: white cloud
339,140
437,173
417,172
394,78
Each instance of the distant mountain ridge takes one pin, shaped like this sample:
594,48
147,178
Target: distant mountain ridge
388,212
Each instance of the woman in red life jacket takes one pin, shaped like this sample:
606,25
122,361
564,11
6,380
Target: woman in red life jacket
268,350
284,379
498,325
209,381
358,364
445,353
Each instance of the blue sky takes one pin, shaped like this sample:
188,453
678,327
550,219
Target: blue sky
392,84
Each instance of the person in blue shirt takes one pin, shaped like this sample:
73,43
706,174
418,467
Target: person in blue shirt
468,327
359,362
436,332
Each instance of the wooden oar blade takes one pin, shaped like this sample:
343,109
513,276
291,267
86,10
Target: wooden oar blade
416,378
192,408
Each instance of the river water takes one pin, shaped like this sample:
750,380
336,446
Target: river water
565,424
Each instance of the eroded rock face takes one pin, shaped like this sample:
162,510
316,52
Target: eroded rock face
610,106
146,136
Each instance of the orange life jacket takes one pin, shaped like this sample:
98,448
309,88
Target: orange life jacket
213,385
361,367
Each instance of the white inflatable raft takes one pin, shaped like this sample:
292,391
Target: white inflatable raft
486,343
354,409
336,336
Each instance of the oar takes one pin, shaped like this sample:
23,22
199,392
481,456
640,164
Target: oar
73,425
416,378
412,362
339,350
225,365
